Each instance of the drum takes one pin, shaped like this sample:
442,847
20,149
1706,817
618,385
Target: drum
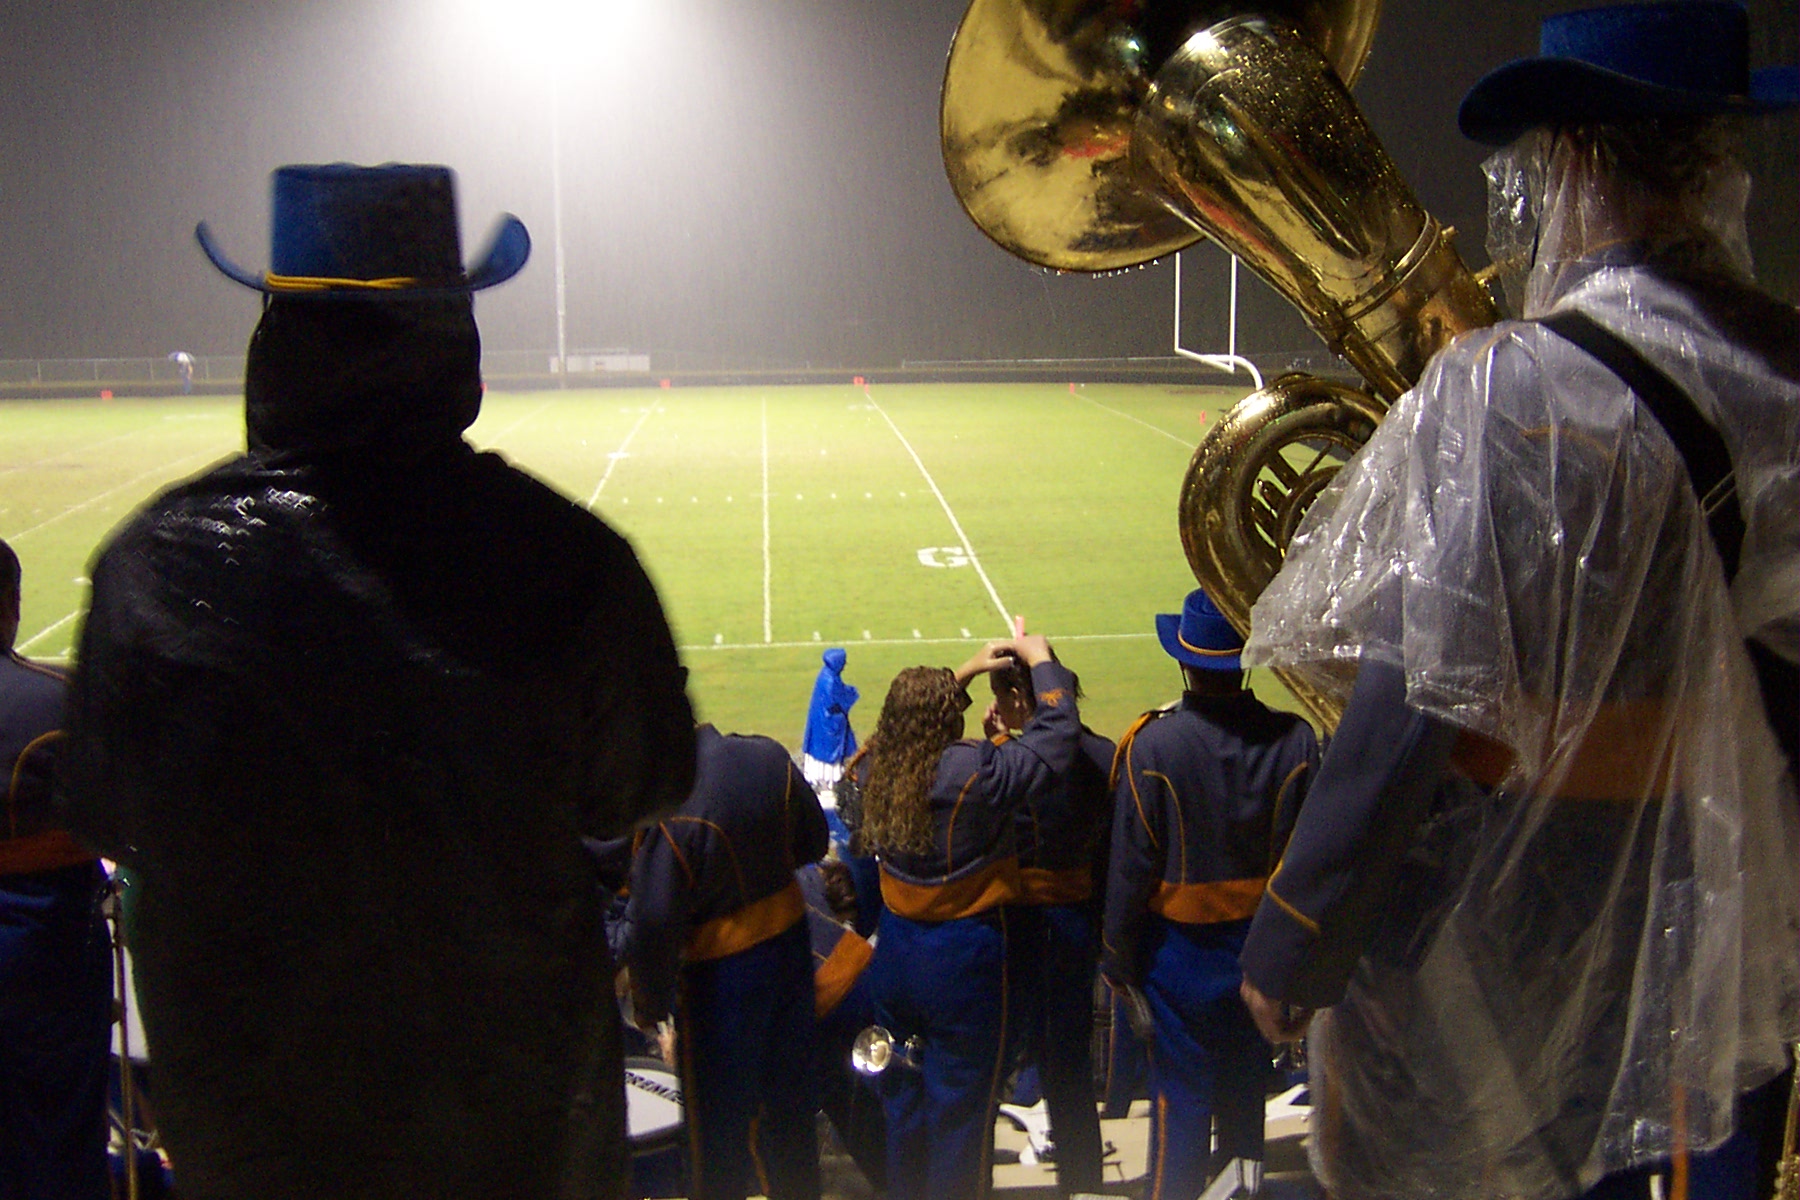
655,1125
653,1113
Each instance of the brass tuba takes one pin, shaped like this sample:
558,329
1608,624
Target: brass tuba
1091,135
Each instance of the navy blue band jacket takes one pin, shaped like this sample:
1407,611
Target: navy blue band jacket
31,709
717,876
1205,794
973,865
1062,829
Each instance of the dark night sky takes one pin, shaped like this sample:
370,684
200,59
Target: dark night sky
744,181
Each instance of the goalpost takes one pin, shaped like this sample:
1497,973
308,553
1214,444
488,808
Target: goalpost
1231,361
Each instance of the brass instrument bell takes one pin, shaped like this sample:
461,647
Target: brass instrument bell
875,1050
1089,136
1040,106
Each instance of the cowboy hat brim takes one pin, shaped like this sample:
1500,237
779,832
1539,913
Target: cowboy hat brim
1168,632
508,249
1531,92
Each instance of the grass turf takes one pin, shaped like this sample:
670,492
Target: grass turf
900,522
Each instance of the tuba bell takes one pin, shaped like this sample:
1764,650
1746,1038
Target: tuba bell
1092,135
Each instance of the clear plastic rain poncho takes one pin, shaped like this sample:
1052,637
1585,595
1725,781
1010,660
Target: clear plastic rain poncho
1607,957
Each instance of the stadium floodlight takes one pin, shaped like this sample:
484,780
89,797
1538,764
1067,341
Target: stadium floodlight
556,34
542,39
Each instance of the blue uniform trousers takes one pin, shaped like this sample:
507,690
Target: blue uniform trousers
745,1044
945,982
1054,953
55,1021
1127,1064
1207,1059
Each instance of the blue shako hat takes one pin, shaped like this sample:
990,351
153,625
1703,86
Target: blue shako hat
1200,636
1668,59
342,231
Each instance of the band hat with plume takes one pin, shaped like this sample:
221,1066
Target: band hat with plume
1628,61
341,231
1200,636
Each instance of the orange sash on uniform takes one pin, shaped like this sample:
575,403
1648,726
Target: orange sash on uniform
44,851
749,926
1208,903
993,885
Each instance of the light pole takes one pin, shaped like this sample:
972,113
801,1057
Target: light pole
556,229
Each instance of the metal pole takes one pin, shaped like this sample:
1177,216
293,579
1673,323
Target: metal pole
1178,301
562,308
1230,362
1231,338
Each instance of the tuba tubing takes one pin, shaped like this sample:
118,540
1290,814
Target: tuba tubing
1251,480
1249,134
1248,131
1091,136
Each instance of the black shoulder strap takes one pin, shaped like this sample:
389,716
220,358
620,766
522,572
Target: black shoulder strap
1702,449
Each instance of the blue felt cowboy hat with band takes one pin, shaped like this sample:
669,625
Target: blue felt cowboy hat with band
341,231
1627,61
1200,636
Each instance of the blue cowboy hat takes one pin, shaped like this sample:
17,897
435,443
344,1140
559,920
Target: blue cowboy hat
1670,59
1200,636
342,231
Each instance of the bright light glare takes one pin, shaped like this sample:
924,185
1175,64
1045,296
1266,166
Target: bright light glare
534,34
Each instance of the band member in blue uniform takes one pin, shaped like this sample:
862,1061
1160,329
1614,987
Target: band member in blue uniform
55,972
1543,893
939,811
844,1007
1053,931
1205,792
715,932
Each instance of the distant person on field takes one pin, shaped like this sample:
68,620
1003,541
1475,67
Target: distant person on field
55,966
345,705
939,811
715,934
1053,933
828,740
184,369
1205,792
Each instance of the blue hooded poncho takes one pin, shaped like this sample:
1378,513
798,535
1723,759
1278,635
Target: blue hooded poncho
829,737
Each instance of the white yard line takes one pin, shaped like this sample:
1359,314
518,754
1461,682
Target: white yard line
80,451
768,612
905,641
45,632
502,434
1140,421
167,469
612,460
968,547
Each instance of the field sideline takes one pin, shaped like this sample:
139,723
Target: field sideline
902,522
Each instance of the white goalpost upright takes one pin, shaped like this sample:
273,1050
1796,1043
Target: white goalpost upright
1230,361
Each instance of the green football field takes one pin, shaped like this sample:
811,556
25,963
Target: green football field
901,522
